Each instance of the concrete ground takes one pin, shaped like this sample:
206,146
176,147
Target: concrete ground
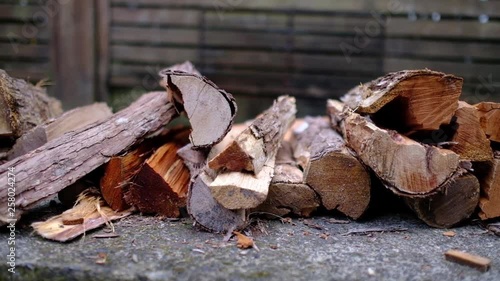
148,248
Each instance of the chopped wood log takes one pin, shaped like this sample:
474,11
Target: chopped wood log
469,140
489,113
70,121
90,212
161,185
259,142
186,66
489,177
409,100
24,106
288,194
119,172
480,263
456,202
404,165
209,109
331,169
61,162
194,160
207,212
243,190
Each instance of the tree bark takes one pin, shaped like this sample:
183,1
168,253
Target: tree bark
24,106
456,202
331,169
59,163
70,121
409,100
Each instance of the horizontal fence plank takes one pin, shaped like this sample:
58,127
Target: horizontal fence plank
21,13
30,71
22,32
155,16
24,51
452,7
153,35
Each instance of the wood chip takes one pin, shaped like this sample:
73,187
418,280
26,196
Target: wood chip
449,233
101,258
244,242
311,224
107,235
480,263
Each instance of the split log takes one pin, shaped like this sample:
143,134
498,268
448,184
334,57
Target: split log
59,163
209,109
118,174
207,212
331,169
409,100
243,190
259,142
469,140
489,176
161,185
193,159
288,194
24,106
489,113
404,165
70,121
456,202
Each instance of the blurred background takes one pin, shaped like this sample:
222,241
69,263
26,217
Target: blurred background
112,50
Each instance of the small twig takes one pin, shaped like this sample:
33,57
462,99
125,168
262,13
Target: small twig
372,230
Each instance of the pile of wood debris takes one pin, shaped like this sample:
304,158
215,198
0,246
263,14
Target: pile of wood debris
406,132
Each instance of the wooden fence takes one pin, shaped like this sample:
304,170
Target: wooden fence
255,49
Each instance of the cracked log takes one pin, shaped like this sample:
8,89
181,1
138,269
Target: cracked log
70,121
331,169
259,142
59,163
456,202
489,113
244,190
161,185
404,165
24,106
489,176
409,100
209,109
469,140
288,194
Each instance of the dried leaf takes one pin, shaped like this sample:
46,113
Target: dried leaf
102,258
244,242
449,233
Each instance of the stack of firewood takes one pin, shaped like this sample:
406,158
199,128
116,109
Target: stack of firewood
406,132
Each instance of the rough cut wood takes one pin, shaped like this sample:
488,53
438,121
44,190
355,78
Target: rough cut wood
118,174
207,212
288,194
194,160
243,190
404,165
161,185
469,139
70,121
456,202
409,100
209,109
331,169
477,262
489,176
24,106
59,163
259,142
489,113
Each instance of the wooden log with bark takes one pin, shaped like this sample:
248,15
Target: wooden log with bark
59,163
489,176
489,113
331,169
161,185
210,110
405,166
455,202
24,106
408,101
469,140
70,121
288,194
244,190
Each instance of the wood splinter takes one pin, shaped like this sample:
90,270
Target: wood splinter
480,263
